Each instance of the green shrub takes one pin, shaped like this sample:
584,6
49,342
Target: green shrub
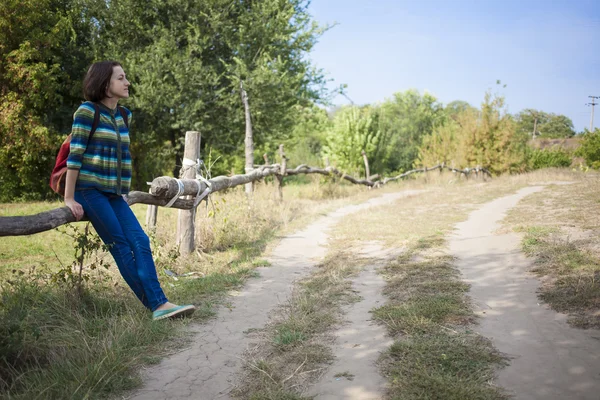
550,158
590,148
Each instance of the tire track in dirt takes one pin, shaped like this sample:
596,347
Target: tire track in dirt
208,368
354,374
549,359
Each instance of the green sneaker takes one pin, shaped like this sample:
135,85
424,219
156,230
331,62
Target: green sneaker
175,312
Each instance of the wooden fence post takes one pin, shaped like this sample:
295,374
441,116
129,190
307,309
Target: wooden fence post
185,224
281,172
151,216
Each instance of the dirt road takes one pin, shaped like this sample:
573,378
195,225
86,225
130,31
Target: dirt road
550,360
208,369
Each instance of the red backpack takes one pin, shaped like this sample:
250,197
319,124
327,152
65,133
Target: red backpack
58,177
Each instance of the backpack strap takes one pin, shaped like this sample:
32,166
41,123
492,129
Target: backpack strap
96,120
124,116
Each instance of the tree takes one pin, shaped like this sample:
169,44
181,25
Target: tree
456,107
590,148
185,59
354,130
486,138
186,71
44,48
537,123
405,120
308,136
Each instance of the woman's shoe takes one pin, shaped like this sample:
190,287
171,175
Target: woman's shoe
175,312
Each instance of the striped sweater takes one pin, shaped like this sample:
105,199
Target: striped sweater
104,163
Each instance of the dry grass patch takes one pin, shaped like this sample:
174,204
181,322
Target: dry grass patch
294,349
561,232
435,354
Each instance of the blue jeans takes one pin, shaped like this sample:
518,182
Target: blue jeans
129,245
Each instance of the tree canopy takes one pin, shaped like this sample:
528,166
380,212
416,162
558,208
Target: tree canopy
537,123
185,60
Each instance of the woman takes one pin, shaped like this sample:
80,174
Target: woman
99,173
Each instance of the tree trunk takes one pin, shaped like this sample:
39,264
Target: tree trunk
366,160
249,144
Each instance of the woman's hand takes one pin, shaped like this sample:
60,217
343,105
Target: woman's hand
75,207
70,202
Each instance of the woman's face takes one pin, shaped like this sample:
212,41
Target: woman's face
119,85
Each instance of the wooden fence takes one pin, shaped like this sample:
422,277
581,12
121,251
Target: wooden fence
184,193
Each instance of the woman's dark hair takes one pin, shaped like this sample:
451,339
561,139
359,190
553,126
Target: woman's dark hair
97,80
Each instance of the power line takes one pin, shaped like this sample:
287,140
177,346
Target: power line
593,103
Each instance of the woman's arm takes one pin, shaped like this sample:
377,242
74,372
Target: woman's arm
70,202
83,120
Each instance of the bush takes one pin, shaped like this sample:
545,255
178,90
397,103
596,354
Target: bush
590,148
555,157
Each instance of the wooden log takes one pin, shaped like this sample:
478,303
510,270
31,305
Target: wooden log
30,224
407,173
186,232
165,188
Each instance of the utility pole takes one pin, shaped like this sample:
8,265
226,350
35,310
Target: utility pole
593,103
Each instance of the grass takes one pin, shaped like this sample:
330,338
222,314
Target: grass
574,271
56,345
442,366
560,229
294,348
346,374
435,354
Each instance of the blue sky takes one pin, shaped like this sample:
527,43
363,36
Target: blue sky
546,51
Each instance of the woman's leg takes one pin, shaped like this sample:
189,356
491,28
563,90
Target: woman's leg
142,254
98,209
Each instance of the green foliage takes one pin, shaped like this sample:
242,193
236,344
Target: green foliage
88,247
353,131
547,125
54,345
186,73
405,119
549,158
185,60
308,137
590,148
43,50
486,138
456,107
